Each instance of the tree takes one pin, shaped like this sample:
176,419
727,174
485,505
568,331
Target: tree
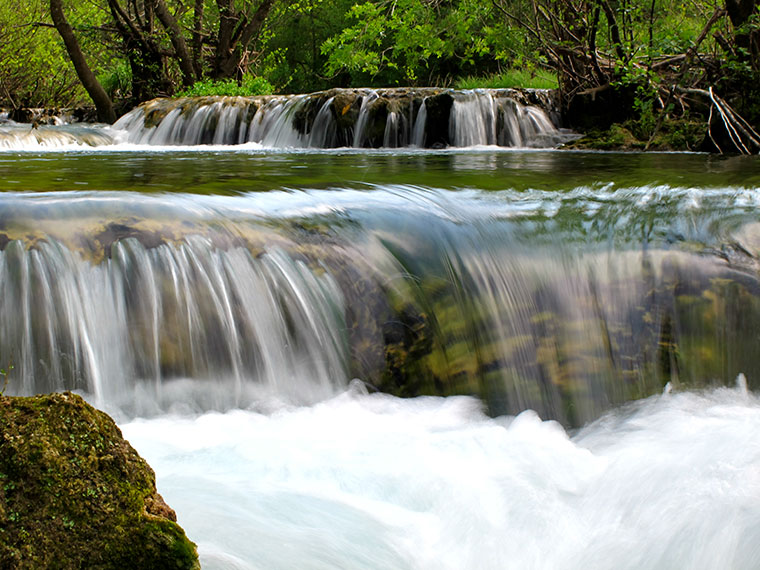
611,55
236,30
158,37
410,42
102,101
35,70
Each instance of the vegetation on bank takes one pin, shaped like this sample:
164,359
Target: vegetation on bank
249,87
75,494
650,62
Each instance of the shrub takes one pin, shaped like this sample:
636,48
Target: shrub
249,87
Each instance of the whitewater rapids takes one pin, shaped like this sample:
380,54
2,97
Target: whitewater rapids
372,481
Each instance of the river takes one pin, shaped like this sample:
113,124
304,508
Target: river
460,358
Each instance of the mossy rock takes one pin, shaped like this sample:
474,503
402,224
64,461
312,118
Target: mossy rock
617,137
673,135
75,494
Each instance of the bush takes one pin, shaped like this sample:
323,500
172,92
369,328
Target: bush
249,87
513,78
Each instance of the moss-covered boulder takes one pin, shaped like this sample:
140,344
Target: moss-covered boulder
75,494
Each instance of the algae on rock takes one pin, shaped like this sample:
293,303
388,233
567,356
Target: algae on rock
75,494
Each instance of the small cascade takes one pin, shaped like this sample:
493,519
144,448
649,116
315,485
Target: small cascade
323,129
473,119
192,121
272,124
566,303
226,321
362,118
485,117
22,136
390,135
525,126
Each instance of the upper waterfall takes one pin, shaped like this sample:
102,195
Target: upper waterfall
360,118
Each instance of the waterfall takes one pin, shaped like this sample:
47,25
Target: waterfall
413,360
272,125
357,117
228,321
473,119
418,136
22,136
363,119
323,129
414,291
390,135
485,117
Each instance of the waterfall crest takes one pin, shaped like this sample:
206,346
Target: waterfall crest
24,136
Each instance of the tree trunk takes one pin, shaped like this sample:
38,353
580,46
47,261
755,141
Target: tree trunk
178,41
236,31
739,12
95,90
198,38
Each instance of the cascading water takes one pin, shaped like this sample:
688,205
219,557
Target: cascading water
23,136
431,292
186,312
358,118
235,309
483,117
339,118
418,133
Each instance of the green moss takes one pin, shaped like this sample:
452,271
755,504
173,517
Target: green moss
617,137
674,134
75,494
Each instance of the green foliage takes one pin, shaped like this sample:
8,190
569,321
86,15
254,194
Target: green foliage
291,58
35,70
512,78
249,87
117,81
417,42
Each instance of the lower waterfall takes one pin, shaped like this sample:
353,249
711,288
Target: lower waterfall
514,297
459,358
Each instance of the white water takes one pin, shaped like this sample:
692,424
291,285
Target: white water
479,118
21,136
361,482
239,325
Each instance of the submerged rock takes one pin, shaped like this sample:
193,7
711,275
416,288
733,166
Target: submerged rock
75,494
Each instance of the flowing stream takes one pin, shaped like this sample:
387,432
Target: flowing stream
458,358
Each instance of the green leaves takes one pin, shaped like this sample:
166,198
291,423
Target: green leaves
249,87
410,41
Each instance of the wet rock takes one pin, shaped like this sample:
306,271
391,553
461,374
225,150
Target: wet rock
114,232
438,117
